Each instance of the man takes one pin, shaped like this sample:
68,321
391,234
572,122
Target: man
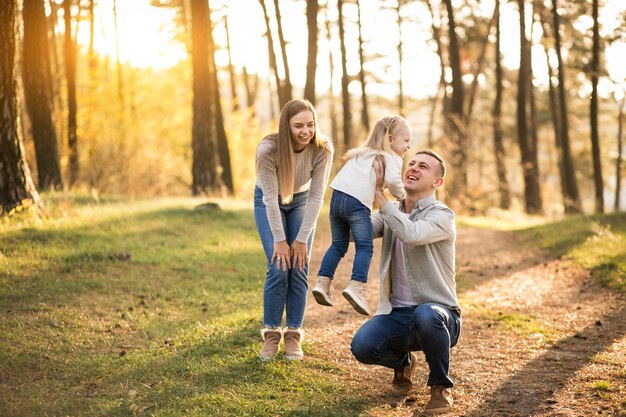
418,307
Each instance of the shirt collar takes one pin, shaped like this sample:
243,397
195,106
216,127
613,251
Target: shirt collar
423,203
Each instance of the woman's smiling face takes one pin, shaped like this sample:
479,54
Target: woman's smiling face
302,127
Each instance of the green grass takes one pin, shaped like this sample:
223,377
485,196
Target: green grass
145,307
597,243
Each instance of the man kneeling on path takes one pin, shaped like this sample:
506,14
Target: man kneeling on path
418,307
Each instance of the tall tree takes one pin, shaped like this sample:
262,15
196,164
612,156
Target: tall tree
37,91
287,87
16,186
118,62
571,195
251,83
69,49
365,117
593,112
231,70
311,62
282,100
619,159
226,174
503,184
345,81
204,163
455,120
442,86
532,195
332,109
400,59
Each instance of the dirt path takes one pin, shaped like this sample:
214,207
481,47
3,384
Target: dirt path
498,370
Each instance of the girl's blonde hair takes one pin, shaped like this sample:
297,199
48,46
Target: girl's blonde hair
378,139
285,159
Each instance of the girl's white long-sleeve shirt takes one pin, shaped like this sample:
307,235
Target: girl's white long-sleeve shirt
358,179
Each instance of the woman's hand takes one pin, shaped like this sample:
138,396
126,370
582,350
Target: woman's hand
282,255
299,253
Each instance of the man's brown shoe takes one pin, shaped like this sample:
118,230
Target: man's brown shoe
403,377
440,400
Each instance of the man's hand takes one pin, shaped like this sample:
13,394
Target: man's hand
379,168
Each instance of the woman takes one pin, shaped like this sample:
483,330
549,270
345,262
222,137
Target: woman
293,167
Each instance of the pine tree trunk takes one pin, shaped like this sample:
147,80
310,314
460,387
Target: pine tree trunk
455,122
400,59
287,88
345,81
365,117
70,74
16,186
37,89
272,58
595,141
619,159
311,62
204,164
500,156
226,174
231,71
332,110
571,197
533,143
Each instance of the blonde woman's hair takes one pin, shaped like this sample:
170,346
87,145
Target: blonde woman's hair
284,149
378,139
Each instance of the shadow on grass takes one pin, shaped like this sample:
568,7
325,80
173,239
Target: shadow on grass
221,375
531,389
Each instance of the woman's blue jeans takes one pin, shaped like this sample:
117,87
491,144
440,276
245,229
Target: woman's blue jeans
284,290
347,214
387,339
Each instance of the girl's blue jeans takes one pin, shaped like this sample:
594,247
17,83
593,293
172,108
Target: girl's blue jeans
387,339
284,290
348,215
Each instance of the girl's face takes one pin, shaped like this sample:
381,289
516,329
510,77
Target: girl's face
302,127
400,138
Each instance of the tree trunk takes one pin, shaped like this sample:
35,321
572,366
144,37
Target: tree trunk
91,55
204,164
251,86
311,63
345,81
571,195
619,159
593,113
332,109
70,74
226,174
231,70
500,157
400,59
16,186
287,88
272,57
37,89
533,143
532,197
442,87
365,117
456,119
120,79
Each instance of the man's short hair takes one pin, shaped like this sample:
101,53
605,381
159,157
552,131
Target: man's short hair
442,164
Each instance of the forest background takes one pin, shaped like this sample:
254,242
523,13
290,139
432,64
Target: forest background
170,97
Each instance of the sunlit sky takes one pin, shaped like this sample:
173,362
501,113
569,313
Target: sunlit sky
146,41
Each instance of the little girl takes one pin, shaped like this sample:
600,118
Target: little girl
351,208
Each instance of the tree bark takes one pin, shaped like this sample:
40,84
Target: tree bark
332,109
345,81
365,117
532,197
16,186
498,145
311,63
235,105
272,57
619,159
204,163
287,87
593,114
37,80
455,117
226,175
70,74
251,86
571,195
400,59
